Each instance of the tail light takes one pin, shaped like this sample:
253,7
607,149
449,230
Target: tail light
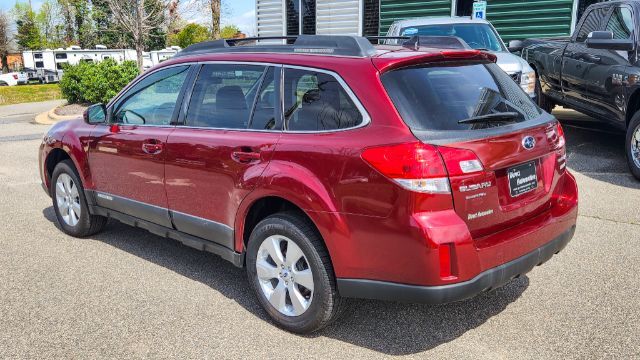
414,166
15,76
460,161
560,133
560,142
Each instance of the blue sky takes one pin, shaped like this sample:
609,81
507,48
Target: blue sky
240,12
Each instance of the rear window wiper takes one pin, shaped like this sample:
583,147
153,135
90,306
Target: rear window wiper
495,117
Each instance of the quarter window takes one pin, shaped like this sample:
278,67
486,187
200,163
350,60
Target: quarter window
591,23
152,100
316,101
621,23
223,96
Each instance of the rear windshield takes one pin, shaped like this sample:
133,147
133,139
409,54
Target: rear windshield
458,97
478,36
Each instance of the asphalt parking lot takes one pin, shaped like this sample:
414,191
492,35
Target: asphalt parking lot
126,293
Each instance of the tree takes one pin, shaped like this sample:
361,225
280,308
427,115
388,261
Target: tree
229,32
46,20
215,18
190,34
28,35
83,30
138,18
67,14
5,40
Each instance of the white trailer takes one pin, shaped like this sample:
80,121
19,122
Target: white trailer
47,65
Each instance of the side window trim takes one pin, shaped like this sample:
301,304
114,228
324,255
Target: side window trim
188,91
366,119
120,96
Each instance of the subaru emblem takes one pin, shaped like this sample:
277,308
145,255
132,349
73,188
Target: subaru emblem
528,142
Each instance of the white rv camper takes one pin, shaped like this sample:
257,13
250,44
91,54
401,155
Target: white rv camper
47,65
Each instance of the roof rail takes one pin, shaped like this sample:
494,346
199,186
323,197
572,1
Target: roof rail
340,45
417,41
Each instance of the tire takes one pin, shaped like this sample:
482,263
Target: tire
324,305
70,191
632,145
543,101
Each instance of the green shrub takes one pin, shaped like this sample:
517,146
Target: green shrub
92,83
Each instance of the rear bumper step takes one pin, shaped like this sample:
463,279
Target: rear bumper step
487,280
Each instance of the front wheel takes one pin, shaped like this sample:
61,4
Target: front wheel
633,145
70,204
291,273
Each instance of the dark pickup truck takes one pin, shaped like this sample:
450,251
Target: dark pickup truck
596,71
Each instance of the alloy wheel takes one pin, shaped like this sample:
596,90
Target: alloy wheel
635,146
284,275
68,199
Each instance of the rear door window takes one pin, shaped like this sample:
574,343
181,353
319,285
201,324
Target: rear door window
440,97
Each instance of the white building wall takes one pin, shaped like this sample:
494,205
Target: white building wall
270,19
338,17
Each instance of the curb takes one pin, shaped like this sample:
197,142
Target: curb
50,117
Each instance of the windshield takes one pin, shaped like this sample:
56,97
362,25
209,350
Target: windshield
443,97
478,36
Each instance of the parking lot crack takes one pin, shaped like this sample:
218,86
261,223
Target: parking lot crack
611,220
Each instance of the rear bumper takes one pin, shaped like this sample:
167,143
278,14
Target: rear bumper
485,281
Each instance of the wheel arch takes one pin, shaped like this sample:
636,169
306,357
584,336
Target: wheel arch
633,105
258,208
55,156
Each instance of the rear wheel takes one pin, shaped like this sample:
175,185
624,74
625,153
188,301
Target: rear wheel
70,204
633,145
543,100
291,273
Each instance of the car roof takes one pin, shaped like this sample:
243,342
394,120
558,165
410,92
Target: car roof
439,21
359,53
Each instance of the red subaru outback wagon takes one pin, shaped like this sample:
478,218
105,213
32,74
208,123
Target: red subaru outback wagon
328,167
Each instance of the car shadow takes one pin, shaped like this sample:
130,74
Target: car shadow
595,149
386,327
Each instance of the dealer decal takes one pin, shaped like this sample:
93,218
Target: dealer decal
479,214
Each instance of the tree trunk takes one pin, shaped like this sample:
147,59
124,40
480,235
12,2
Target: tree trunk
5,64
215,18
139,37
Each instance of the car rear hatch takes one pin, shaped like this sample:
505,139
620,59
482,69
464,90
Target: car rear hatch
503,155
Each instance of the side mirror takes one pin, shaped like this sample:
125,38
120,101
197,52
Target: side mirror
605,40
95,114
515,46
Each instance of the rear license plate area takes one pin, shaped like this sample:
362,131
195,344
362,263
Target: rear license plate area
522,178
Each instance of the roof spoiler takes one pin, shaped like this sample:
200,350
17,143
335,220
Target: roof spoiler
418,41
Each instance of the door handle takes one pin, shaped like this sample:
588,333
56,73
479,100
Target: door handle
245,156
152,146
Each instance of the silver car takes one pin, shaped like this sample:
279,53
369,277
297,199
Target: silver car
479,34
